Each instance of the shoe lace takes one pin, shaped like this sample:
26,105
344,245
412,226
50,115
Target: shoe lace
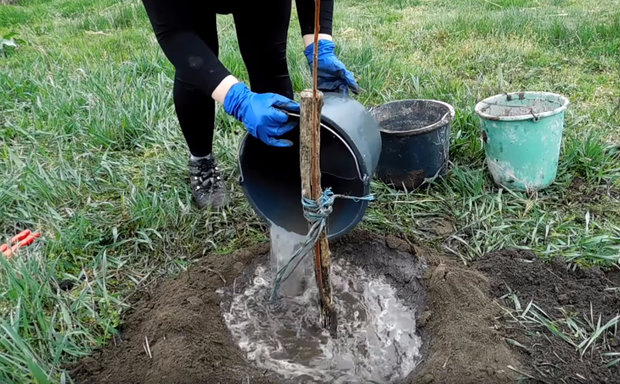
208,174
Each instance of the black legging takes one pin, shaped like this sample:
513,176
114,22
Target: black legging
187,33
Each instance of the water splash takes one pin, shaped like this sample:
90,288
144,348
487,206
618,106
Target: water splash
377,339
283,246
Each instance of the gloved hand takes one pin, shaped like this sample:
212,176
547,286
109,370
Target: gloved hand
261,113
332,75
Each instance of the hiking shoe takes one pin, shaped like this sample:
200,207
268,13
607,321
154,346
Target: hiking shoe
208,188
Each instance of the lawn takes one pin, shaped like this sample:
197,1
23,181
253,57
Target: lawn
91,153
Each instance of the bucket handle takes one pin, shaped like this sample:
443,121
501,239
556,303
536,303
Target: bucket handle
443,118
535,117
323,125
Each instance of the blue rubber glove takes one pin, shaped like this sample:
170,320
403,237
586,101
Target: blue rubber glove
261,113
332,75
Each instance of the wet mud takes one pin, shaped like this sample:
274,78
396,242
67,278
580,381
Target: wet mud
176,333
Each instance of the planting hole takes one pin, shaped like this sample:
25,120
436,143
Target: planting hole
377,337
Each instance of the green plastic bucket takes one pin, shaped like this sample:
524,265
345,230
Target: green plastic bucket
522,133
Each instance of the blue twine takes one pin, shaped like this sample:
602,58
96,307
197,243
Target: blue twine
316,212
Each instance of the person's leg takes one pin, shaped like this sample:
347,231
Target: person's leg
195,109
191,45
262,32
187,33
196,114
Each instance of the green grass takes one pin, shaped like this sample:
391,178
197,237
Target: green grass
588,334
91,153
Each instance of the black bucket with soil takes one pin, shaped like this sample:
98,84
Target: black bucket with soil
415,137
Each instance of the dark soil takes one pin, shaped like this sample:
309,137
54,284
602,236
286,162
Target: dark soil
464,338
459,323
407,181
581,192
186,335
552,286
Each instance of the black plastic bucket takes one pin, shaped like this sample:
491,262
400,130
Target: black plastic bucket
350,149
416,141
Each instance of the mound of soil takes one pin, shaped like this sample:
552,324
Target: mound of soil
188,341
554,287
187,338
464,346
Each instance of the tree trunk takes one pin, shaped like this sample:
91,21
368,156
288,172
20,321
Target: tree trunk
309,156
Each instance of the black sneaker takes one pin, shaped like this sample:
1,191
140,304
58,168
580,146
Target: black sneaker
208,188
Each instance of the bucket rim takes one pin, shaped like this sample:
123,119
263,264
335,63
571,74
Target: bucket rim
483,103
251,199
323,125
445,119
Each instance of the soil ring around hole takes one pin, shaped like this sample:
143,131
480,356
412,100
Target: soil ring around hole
462,326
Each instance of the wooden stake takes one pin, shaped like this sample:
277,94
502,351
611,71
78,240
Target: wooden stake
309,160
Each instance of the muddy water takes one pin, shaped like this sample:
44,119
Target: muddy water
377,339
